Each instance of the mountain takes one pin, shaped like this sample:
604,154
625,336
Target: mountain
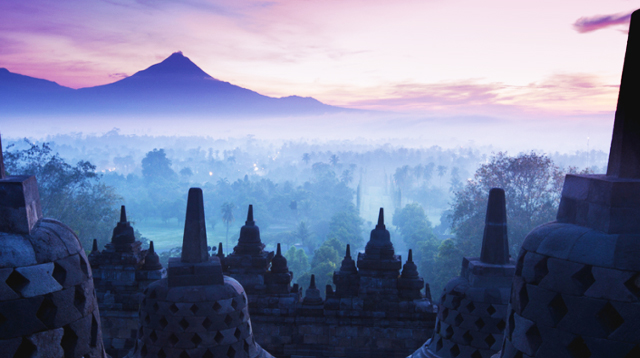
171,87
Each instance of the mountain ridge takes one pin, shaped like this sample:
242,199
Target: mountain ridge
175,85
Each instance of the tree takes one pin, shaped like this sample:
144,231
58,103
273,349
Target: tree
74,195
297,260
334,159
442,170
156,165
301,235
306,158
413,224
227,217
447,265
346,226
532,185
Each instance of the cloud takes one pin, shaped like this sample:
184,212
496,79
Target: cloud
118,75
588,24
568,93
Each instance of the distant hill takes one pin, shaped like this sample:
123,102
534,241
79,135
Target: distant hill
173,86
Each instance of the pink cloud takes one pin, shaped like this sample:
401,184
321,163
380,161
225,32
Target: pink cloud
562,93
588,24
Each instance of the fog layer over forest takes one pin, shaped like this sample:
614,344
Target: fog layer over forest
312,196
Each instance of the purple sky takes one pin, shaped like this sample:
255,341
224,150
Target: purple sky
496,57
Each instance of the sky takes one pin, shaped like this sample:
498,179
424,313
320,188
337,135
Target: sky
504,58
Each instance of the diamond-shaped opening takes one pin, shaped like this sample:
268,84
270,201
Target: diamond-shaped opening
501,324
162,354
196,339
479,323
207,354
59,273
609,318
241,315
439,345
228,320
147,319
194,308
245,346
207,323
237,333
144,301
476,354
47,311
163,322
578,349
468,338
143,350
584,278
184,354
140,332
455,350
231,353
26,349
445,314
156,307
518,355
634,352
153,295
490,340
216,306
633,285
16,281
219,337
491,310
69,341
533,337
173,339
173,308
557,309
93,342
458,320
79,299
540,270
523,297
455,302
183,323
83,265
153,337
471,307
3,319
234,304
448,333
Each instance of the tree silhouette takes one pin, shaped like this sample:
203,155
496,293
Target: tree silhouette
306,158
334,159
227,216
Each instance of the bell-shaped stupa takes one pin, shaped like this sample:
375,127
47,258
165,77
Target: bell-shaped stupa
47,302
196,312
576,289
472,314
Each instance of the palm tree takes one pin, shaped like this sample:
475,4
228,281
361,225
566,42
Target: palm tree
227,217
334,160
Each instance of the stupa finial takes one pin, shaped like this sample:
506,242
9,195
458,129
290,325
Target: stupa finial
380,220
624,156
250,216
123,214
495,244
194,242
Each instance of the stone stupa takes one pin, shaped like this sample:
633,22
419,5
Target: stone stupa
576,289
